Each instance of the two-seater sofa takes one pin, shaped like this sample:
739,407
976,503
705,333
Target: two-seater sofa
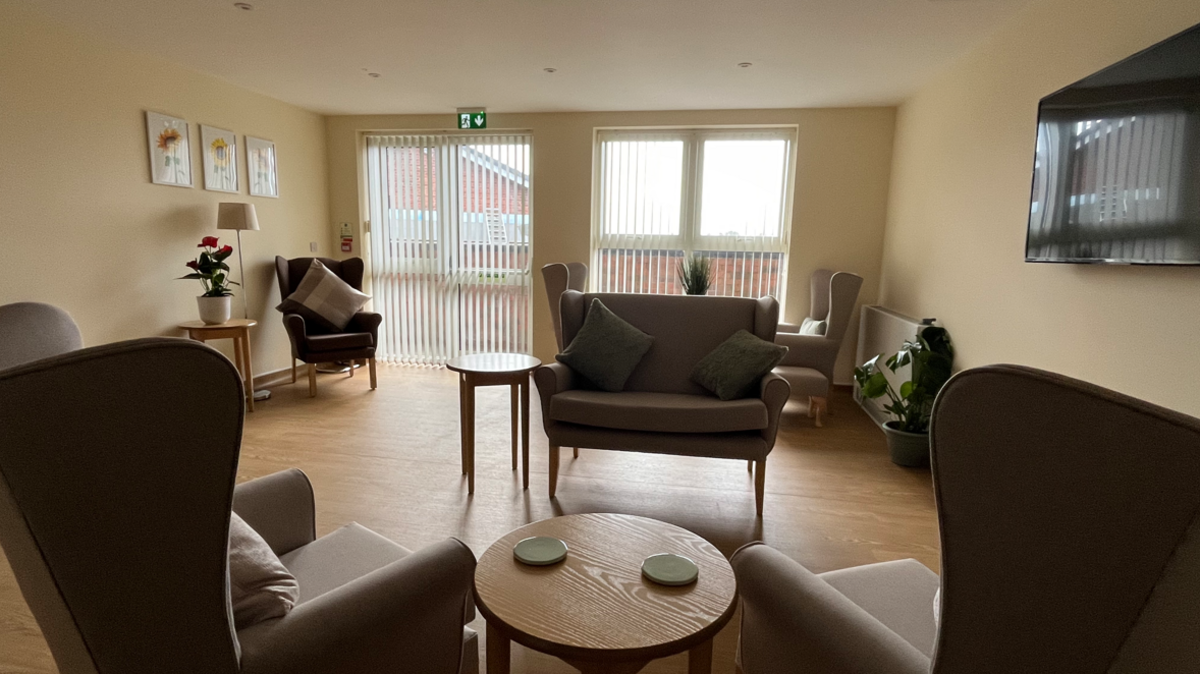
660,409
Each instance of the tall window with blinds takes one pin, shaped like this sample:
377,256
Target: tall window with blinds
662,195
450,244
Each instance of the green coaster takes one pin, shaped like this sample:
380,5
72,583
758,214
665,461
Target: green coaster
668,569
540,551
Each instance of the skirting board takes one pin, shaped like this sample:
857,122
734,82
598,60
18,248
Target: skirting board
274,378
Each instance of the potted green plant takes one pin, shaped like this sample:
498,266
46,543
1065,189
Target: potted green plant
695,274
210,268
931,357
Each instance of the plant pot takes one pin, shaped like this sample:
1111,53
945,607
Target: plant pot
907,449
215,310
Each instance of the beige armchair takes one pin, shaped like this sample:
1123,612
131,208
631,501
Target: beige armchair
1070,543
661,410
116,485
808,365
31,331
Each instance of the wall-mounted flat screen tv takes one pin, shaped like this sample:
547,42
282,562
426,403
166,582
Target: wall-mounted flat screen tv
1116,177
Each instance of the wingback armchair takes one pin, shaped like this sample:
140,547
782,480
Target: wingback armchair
32,331
311,343
116,487
1070,530
661,409
808,365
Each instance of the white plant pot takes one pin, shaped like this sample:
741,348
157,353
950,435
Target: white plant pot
215,310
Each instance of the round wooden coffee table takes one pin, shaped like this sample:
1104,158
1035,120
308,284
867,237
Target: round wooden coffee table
594,609
493,369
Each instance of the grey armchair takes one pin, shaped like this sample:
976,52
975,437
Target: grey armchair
31,331
808,365
116,485
1070,543
313,344
661,409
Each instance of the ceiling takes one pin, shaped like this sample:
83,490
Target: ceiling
437,55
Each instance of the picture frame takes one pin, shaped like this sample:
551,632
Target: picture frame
261,169
170,150
219,149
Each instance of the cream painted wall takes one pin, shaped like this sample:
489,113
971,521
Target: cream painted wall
842,177
85,229
960,200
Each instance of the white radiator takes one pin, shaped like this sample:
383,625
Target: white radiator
881,330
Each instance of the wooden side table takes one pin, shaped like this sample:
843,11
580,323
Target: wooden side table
238,330
493,369
594,609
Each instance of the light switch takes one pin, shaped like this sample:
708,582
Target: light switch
312,246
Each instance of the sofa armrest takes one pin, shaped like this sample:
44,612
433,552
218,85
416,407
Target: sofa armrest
815,351
788,328
550,379
280,508
794,621
365,321
406,616
774,392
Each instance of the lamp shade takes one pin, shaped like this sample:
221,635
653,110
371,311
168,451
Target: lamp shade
236,216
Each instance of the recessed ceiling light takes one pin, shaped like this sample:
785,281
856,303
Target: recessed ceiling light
550,70
243,6
745,64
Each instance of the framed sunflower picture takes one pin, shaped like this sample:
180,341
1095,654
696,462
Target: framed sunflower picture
220,159
170,155
260,167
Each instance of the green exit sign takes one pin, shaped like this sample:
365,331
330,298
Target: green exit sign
472,120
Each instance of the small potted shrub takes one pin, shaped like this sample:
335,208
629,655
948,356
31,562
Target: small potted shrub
213,273
695,274
931,357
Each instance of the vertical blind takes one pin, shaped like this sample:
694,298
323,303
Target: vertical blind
719,193
1109,188
450,244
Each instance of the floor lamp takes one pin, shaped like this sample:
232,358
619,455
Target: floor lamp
239,217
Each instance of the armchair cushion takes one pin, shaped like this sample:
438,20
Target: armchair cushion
661,412
340,341
338,558
898,594
260,587
734,368
606,349
324,298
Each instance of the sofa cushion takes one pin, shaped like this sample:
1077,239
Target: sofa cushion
324,298
734,368
340,341
606,349
661,412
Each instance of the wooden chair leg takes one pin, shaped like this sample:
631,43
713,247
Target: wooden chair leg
553,470
374,380
312,380
293,370
350,375
820,405
750,467
576,454
760,485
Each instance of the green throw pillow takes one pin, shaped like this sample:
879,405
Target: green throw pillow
733,369
606,349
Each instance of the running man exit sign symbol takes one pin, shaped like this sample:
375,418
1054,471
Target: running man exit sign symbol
472,120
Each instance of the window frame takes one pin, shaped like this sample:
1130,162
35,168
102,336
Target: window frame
689,239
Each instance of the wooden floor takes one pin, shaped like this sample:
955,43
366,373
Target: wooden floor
389,459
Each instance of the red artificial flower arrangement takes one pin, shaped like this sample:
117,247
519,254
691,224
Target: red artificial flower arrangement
211,269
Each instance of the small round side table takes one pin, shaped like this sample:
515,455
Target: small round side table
493,369
594,609
238,330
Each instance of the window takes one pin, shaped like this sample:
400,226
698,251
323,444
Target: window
720,193
450,235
